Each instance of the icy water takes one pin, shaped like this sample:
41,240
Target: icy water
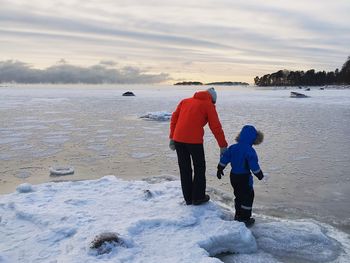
98,132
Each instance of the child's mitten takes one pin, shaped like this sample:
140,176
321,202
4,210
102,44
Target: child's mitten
259,175
220,171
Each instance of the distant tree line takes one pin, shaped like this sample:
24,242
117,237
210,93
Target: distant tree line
189,83
221,83
308,78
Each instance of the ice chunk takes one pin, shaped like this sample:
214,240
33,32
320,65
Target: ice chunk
57,171
157,116
296,240
226,240
24,188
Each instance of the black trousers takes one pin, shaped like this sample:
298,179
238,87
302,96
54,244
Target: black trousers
193,188
244,195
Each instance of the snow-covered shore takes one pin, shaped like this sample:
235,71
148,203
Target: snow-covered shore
56,222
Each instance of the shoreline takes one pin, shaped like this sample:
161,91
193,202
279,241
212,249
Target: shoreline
98,132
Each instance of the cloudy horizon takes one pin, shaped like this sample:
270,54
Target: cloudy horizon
166,41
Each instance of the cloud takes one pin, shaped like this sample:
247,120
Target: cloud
240,38
63,72
108,63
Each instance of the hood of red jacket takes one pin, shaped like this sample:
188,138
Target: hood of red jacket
202,95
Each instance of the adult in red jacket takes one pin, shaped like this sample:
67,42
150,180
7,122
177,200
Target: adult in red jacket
186,137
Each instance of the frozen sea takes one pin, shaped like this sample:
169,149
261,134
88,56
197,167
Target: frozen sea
99,132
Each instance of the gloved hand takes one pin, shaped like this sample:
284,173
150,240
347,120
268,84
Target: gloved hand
172,145
220,171
222,150
260,175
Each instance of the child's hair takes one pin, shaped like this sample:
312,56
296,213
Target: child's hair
259,137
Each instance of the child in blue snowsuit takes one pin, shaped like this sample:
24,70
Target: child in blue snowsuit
243,160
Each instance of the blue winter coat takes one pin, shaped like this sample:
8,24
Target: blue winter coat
242,155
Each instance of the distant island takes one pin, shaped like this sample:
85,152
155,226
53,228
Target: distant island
308,78
189,83
222,83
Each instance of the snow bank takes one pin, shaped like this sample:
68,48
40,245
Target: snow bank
60,222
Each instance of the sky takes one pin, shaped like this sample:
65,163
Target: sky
179,40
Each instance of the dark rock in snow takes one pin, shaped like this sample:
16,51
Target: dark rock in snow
105,242
148,194
128,93
294,94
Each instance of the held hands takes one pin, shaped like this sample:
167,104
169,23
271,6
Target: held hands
172,145
222,151
220,171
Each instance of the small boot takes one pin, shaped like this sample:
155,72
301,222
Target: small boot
249,222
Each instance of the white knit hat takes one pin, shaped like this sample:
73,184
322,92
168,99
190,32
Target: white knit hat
212,92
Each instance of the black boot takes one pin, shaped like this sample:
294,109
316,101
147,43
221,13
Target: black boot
249,222
201,201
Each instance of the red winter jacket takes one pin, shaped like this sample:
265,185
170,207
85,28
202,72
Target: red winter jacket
190,117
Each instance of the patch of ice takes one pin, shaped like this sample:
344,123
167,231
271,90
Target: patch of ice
57,133
97,147
118,135
8,140
56,139
104,131
171,155
38,153
300,158
5,156
23,174
140,155
154,132
21,147
259,257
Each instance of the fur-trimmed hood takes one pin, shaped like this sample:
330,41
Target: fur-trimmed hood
249,135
